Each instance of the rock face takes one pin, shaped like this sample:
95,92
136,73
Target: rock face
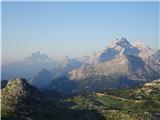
150,90
145,51
119,47
154,61
153,84
130,66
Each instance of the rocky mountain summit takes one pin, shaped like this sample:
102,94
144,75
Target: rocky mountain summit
20,90
17,94
117,48
22,101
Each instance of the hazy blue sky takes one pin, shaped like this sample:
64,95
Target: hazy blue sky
74,28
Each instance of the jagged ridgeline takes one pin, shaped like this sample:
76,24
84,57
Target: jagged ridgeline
21,101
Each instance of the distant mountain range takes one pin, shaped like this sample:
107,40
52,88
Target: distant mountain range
120,64
28,67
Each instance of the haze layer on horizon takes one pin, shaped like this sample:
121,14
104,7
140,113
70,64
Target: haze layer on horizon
74,28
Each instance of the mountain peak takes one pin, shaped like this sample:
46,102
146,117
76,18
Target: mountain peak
122,39
18,82
121,42
20,90
38,57
118,47
36,54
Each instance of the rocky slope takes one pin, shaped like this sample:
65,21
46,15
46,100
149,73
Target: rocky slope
149,90
131,66
16,95
21,101
145,51
154,61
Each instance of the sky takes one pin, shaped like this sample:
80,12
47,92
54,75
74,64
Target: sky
74,28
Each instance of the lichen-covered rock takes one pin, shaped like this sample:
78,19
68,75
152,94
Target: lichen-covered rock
17,94
21,91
